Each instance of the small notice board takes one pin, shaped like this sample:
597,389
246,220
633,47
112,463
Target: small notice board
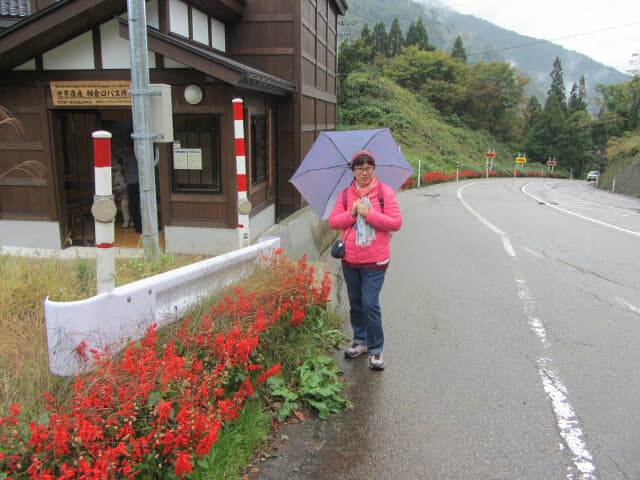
187,159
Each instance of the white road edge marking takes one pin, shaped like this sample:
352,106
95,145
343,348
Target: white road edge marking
584,217
568,421
506,243
626,304
566,418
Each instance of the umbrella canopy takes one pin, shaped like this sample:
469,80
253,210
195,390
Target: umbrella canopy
325,171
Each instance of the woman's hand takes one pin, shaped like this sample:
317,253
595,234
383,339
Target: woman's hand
359,208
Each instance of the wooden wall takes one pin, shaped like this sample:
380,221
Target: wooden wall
24,196
27,172
297,41
292,39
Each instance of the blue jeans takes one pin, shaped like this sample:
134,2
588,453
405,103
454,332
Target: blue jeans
363,287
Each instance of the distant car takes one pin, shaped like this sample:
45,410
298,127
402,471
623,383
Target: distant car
593,176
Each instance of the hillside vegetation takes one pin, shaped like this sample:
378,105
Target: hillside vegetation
444,25
444,110
371,101
624,165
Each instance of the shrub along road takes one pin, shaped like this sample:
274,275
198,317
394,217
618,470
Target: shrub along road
512,333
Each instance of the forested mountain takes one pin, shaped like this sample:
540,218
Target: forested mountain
485,103
444,25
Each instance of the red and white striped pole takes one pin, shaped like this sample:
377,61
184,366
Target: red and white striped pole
244,206
104,212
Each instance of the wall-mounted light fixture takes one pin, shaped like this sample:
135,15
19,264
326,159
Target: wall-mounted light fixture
193,94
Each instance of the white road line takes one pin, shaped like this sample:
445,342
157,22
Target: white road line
568,422
600,205
533,252
626,304
486,222
566,419
599,222
529,308
506,243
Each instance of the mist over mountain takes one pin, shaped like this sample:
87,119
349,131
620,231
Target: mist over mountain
532,57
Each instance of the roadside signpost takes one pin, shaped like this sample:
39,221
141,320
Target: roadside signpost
521,158
491,153
551,163
457,170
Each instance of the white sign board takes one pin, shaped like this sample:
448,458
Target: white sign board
187,159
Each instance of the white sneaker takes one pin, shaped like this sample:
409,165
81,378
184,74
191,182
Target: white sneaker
376,361
125,225
355,350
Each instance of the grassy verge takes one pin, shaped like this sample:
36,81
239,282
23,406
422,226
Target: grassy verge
24,285
237,445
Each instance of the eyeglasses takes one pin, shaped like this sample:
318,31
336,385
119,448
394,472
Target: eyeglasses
363,169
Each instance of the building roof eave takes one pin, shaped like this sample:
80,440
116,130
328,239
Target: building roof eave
51,27
341,5
215,64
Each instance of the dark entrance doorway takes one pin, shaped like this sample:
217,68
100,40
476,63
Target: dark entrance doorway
74,156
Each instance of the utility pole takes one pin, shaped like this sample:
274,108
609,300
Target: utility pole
142,135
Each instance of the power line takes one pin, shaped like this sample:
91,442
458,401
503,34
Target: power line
538,42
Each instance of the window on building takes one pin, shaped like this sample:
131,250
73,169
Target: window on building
259,153
196,153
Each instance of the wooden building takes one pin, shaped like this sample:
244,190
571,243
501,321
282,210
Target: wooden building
65,72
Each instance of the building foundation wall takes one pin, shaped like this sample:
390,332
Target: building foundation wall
32,234
214,241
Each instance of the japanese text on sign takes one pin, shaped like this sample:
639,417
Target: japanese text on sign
90,93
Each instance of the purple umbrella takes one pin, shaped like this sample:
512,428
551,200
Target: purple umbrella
325,171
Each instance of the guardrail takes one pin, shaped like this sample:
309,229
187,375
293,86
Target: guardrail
109,321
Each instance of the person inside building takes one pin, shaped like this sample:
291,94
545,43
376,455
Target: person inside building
130,163
120,189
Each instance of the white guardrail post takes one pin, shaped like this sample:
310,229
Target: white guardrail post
112,319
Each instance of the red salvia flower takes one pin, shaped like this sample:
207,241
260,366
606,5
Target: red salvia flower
183,464
169,402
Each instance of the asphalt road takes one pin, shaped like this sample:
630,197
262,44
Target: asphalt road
512,322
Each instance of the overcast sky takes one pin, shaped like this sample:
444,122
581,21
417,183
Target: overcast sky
615,24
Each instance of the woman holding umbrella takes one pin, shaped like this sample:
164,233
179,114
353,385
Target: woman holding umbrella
366,211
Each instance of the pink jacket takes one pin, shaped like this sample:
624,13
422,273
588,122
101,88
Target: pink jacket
384,222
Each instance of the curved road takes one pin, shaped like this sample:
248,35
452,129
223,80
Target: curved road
512,322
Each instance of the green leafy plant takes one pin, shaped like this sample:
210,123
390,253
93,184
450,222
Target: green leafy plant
319,388
279,389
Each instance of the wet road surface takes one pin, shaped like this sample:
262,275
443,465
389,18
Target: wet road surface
512,339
